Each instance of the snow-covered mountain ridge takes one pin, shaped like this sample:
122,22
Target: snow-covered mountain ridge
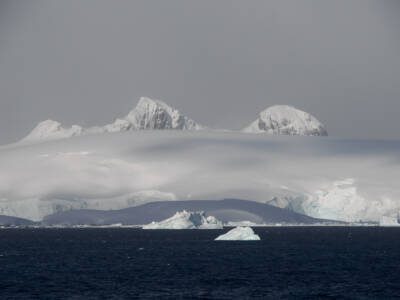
147,115
152,114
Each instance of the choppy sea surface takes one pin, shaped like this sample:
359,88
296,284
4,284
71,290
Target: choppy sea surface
124,263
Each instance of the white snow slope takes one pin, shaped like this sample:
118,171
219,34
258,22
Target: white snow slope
148,114
322,177
286,120
239,234
187,220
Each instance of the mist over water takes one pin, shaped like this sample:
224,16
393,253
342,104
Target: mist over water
323,177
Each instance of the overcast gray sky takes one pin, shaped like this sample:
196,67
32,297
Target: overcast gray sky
219,62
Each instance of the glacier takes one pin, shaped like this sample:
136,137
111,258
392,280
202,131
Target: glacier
239,234
323,177
286,120
186,220
388,221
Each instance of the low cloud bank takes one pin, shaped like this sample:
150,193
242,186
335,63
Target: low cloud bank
333,178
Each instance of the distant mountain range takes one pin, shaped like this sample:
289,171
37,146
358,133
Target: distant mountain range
227,210
152,114
15,221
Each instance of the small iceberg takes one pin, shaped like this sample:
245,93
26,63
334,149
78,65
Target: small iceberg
239,234
388,221
187,220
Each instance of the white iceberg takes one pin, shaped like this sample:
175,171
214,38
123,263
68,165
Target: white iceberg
388,221
239,234
187,220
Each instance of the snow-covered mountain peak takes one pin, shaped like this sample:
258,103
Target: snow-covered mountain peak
145,103
286,120
156,114
50,129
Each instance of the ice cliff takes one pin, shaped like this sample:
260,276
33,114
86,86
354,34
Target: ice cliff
388,221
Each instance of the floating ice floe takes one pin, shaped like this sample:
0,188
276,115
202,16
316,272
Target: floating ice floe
239,234
187,220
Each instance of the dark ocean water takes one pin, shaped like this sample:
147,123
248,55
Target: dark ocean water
294,263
